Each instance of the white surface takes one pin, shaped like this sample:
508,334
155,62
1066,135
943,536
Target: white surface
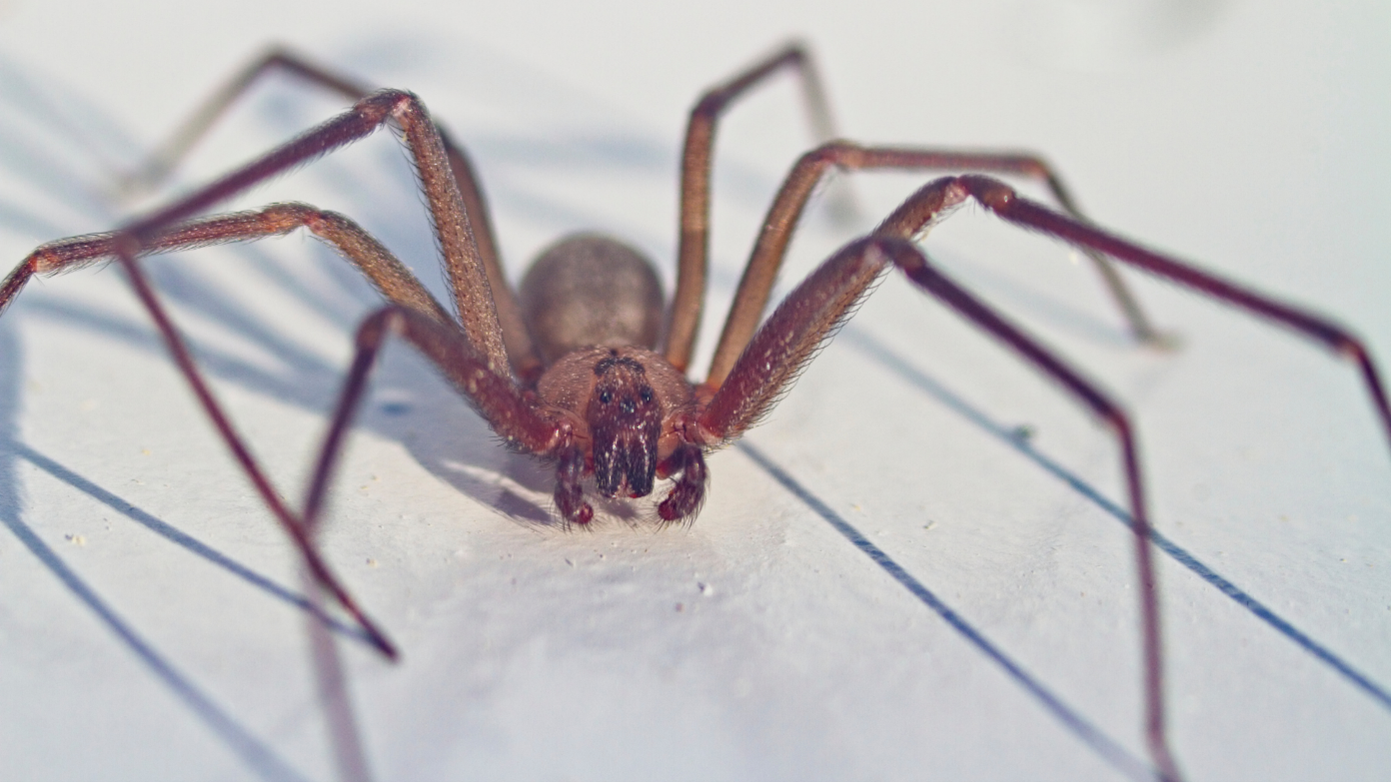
760,644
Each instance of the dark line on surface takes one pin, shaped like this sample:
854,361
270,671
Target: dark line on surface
1110,751
255,754
873,348
173,535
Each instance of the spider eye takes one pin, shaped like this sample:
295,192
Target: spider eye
605,397
646,395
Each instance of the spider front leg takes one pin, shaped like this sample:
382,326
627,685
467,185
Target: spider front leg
495,397
770,249
513,415
168,155
803,322
791,335
384,270
389,275
697,160
464,267
936,199
478,326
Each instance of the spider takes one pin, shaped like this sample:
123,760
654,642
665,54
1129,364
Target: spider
586,365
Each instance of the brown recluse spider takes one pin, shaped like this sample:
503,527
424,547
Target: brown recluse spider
585,366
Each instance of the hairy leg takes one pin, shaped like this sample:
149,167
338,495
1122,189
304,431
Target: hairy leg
810,314
510,413
697,162
169,227
168,155
496,397
472,293
385,271
771,246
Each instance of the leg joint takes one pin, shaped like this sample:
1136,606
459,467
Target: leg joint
994,194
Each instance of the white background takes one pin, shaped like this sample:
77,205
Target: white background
759,644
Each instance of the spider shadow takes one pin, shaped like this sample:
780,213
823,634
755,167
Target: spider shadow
1068,717
1107,748
258,756
872,348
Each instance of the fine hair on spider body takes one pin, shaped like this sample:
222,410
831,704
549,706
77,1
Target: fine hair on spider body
586,365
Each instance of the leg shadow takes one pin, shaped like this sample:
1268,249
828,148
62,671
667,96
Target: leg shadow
890,360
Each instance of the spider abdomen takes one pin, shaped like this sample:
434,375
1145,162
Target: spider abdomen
588,290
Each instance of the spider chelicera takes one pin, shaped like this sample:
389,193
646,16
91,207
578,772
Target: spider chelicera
585,365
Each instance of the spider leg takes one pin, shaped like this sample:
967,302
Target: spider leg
697,162
511,414
298,531
167,156
160,163
1001,199
914,264
478,324
802,323
496,397
770,249
385,271
469,280
936,199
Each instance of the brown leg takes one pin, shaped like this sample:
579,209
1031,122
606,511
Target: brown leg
468,278
751,388
921,209
494,396
697,161
913,263
169,154
478,361
781,348
999,198
497,400
771,246
388,274
292,524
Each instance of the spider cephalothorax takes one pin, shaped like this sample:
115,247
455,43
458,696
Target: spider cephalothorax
622,409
